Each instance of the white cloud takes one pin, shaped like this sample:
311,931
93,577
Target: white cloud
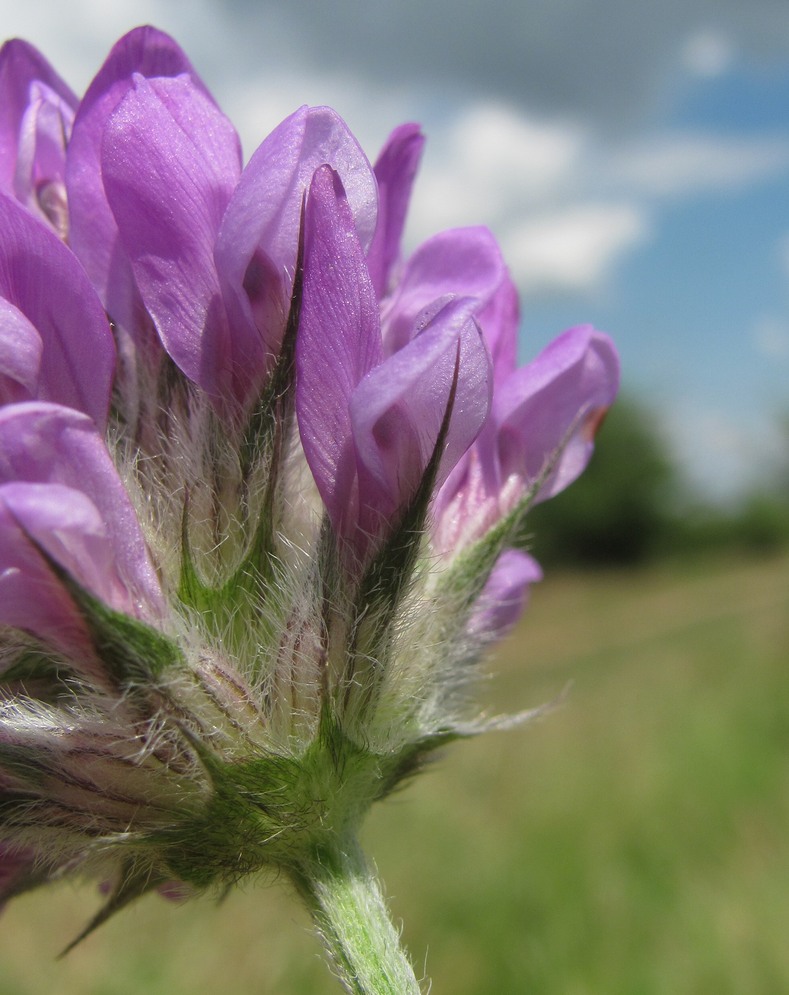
680,165
498,144
76,36
783,254
771,338
721,454
489,162
707,53
573,249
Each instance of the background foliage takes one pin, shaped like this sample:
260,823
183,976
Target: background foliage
631,506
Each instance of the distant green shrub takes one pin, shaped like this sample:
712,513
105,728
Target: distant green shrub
621,509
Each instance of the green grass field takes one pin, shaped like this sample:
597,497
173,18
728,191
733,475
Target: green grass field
633,842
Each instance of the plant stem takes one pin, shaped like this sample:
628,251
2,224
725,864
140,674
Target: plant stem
345,900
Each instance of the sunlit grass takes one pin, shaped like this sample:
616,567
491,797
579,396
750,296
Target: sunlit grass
633,842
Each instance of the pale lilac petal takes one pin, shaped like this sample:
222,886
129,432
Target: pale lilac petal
504,596
93,232
499,322
467,506
258,240
170,162
39,180
338,343
26,78
555,402
67,525
398,409
464,262
395,170
51,446
499,319
20,355
42,279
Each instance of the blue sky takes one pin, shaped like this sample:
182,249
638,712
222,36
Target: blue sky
633,159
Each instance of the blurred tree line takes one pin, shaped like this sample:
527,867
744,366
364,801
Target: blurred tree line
630,505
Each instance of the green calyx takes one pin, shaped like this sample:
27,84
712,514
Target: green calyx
280,812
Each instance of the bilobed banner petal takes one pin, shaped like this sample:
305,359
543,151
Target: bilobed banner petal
258,240
43,280
464,262
398,409
339,342
550,409
93,233
395,170
170,162
52,446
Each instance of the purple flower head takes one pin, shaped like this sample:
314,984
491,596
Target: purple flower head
263,481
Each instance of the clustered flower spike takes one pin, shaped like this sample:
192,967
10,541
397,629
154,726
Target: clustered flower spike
263,485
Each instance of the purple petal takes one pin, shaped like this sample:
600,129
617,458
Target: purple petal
93,231
20,355
258,240
67,525
395,170
49,450
398,409
42,279
338,343
554,403
464,262
499,319
170,162
504,596
26,80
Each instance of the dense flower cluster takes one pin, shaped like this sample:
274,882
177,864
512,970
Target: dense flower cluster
262,482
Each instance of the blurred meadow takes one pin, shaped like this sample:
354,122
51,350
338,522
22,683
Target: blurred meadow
631,842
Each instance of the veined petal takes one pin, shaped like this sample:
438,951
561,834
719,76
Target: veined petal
463,262
258,240
50,446
398,408
170,162
555,403
93,232
395,170
25,76
20,355
338,343
42,279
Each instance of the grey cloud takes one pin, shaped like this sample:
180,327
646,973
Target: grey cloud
608,61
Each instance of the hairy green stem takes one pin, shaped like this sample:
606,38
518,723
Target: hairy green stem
345,900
